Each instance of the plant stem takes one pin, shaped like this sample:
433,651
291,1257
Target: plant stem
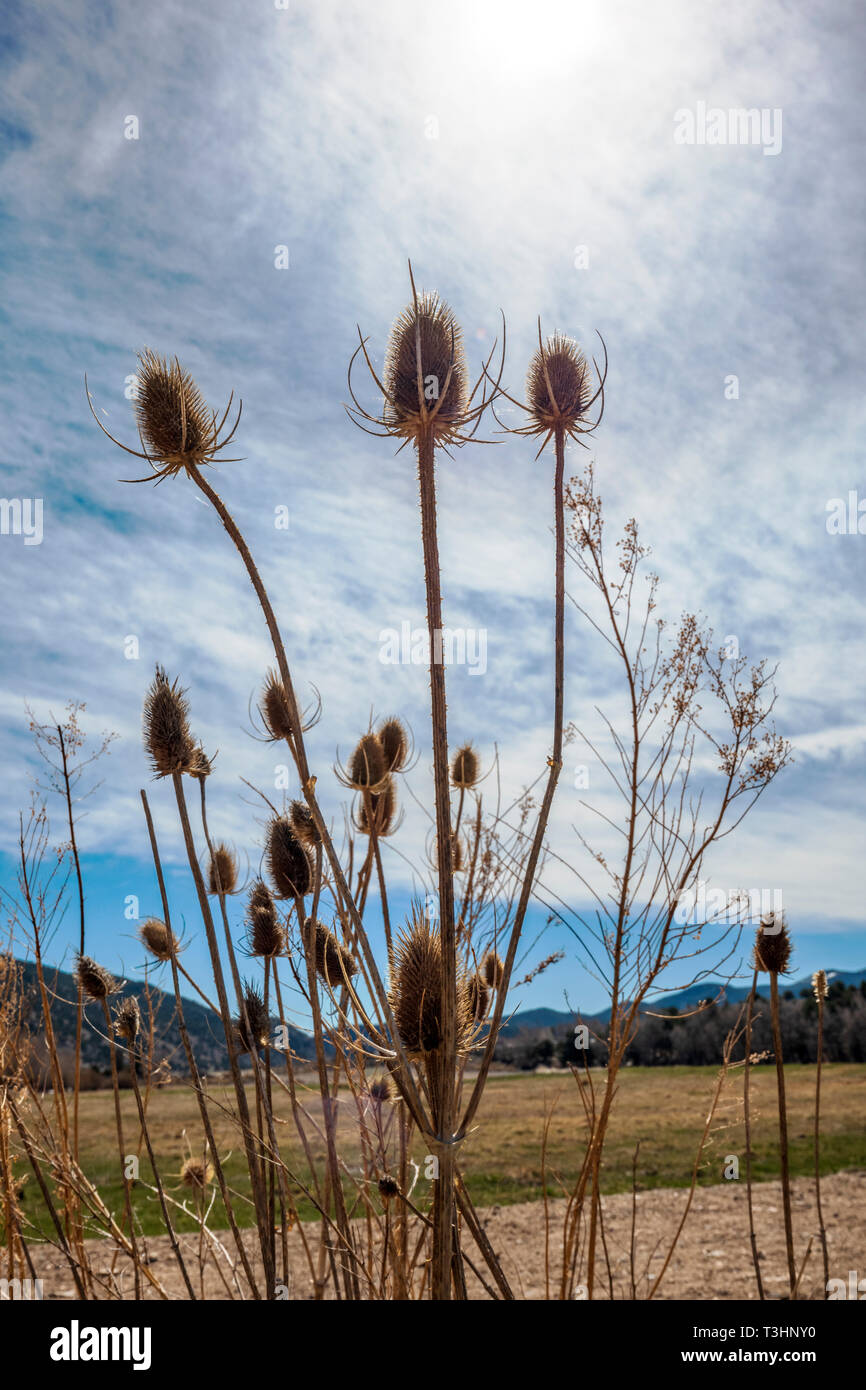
783,1130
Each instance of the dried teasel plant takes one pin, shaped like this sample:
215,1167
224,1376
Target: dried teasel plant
416,991
159,939
168,740
289,861
395,743
334,963
772,955
95,981
265,932
222,871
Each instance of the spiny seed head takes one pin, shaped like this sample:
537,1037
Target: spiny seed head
479,997
266,934
819,985
222,870
772,945
196,1173
202,766
380,1090
167,737
302,823
383,805
274,707
127,1019
94,979
464,767
334,962
367,770
492,970
388,1189
416,991
175,424
159,940
256,1036
558,387
394,740
289,863
425,345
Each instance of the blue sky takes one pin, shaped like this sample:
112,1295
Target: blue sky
524,157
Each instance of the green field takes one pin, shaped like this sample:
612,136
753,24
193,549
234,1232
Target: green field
664,1108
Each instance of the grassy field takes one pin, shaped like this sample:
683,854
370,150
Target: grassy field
664,1108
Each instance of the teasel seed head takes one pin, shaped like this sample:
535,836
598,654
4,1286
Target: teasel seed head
388,1189
380,1090
430,394
167,737
416,991
202,765
558,384
383,806
250,1040
274,707
464,767
335,964
367,770
158,938
819,985
492,970
222,871
772,945
290,864
302,823
127,1019
175,424
95,981
479,997
197,1174
266,934
394,741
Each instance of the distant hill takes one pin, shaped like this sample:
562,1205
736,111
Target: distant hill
203,1025
531,1020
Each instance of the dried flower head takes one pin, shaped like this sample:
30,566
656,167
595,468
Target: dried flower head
176,428
394,741
274,707
250,1039
819,985
94,979
479,997
380,1090
302,823
127,1019
158,938
196,1173
772,945
222,871
388,1189
382,809
416,991
266,934
464,767
367,770
333,961
559,390
289,862
167,737
492,970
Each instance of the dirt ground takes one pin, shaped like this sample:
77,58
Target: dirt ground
712,1259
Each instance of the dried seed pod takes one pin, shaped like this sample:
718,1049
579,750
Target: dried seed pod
196,1173
426,381
558,384
266,934
250,1039
302,823
388,1189
479,997
394,740
222,871
289,862
819,985
772,945
383,805
335,964
367,771
127,1019
159,940
492,970
94,979
416,991
175,424
464,767
380,1090
202,765
274,707
167,737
